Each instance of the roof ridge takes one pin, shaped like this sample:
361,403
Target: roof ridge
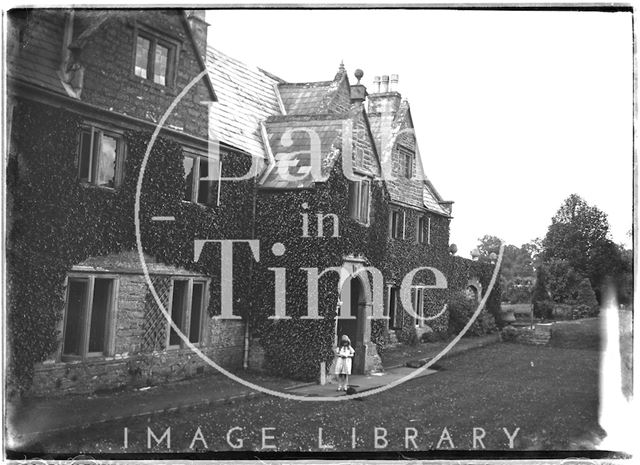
213,51
310,83
308,117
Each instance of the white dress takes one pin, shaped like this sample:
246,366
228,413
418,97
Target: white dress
343,364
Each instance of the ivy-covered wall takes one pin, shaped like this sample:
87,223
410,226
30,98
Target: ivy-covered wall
56,222
404,255
295,347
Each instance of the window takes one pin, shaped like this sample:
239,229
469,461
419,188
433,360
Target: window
101,157
396,224
198,184
89,309
406,161
359,200
395,316
417,301
187,310
420,230
154,59
423,230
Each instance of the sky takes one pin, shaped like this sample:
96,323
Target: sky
513,110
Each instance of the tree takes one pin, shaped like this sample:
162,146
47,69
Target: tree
562,280
586,296
578,235
516,271
540,297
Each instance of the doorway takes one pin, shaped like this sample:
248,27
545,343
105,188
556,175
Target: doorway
354,328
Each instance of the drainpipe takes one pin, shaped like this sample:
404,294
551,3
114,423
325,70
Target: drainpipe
245,357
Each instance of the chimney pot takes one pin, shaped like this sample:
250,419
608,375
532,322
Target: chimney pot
385,84
376,84
393,85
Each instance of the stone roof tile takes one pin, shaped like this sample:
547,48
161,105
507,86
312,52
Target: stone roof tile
246,96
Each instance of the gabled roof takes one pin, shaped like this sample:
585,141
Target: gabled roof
309,98
42,65
417,192
305,98
246,96
290,164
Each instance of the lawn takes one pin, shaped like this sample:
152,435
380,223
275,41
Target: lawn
550,394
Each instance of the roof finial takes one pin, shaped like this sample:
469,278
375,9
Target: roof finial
341,69
358,74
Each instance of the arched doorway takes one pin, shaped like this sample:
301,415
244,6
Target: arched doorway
355,327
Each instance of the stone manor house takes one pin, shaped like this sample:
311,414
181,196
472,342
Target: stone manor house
86,91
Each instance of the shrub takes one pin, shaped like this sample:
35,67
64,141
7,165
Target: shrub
461,309
509,334
581,311
429,336
562,312
379,336
543,309
586,298
408,336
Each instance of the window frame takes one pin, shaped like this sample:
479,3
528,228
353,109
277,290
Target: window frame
112,312
420,229
407,161
99,130
417,296
357,211
392,231
392,323
185,324
155,38
197,157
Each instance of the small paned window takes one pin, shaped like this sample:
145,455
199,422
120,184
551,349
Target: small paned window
88,313
200,174
396,224
359,194
155,59
187,310
101,157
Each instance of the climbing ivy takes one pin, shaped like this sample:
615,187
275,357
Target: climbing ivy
56,222
295,347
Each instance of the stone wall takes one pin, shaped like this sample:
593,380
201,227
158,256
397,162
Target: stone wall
129,366
108,57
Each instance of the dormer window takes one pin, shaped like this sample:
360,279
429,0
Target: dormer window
155,59
406,161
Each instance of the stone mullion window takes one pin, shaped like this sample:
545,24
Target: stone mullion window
417,302
407,161
88,324
198,173
188,298
155,56
393,310
359,200
101,155
397,219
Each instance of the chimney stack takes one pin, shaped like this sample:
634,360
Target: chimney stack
199,26
386,98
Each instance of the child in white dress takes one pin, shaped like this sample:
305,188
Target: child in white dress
343,365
